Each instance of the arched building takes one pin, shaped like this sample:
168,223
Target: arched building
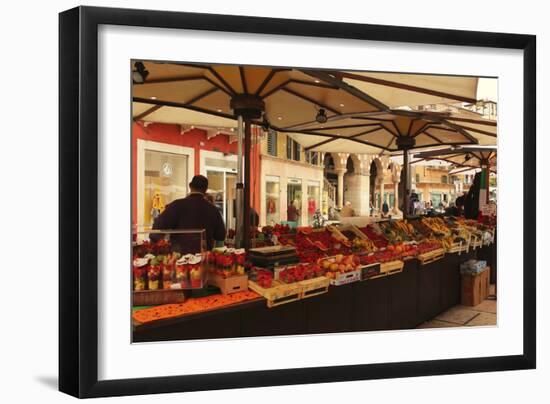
365,180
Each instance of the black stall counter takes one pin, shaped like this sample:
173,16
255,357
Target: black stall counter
399,301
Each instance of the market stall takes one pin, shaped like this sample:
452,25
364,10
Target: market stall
386,275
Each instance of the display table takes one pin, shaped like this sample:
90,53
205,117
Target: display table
400,301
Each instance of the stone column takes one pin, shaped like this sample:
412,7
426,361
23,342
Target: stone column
341,173
382,198
361,183
364,209
396,180
340,166
395,211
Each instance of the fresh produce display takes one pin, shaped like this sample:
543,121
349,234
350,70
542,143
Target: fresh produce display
190,306
392,233
406,249
262,277
276,230
359,243
153,273
227,262
314,244
335,253
421,228
437,226
381,256
310,256
428,245
140,273
363,245
168,269
339,264
156,266
189,272
374,233
300,272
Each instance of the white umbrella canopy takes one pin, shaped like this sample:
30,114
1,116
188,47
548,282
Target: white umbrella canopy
180,116
398,89
392,131
466,156
287,96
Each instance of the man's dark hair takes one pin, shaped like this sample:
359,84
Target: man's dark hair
199,183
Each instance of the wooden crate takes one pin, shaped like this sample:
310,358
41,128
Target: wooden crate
459,247
475,241
232,284
337,234
156,297
371,271
314,287
474,288
392,267
431,256
351,228
279,293
345,278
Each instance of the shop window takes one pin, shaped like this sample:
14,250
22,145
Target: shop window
313,199
165,179
312,158
296,151
272,143
294,200
289,148
292,149
272,200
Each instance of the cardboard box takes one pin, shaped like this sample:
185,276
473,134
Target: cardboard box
232,284
475,288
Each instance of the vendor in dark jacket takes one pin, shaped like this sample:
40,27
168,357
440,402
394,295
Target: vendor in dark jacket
194,212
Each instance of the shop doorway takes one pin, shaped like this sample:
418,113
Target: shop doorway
221,187
165,180
272,200
294,200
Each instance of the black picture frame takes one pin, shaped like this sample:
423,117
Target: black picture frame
78,195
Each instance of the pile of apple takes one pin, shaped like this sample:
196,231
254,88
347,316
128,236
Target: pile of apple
339,264
300,272
409,250
403,250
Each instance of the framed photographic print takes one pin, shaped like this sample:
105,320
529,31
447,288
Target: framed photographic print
250,201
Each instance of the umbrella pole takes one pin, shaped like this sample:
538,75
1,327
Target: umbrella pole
239,197
488,176
407,187
247,183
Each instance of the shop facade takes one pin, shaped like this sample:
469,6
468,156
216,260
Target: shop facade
166,156
290,191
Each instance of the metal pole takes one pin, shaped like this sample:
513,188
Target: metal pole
407,187
239,235
488,177
247,183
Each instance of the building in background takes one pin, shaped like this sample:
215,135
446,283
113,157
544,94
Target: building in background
436,183
291,181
